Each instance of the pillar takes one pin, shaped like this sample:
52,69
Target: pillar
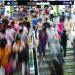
57,9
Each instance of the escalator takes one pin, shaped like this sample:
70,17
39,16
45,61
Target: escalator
33,69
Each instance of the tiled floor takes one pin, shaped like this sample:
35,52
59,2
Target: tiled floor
69,66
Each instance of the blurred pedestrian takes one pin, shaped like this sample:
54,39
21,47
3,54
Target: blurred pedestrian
18,48
5,52
26,23
62,17
51,14
64,41
46,23
43,37
67,26
60,27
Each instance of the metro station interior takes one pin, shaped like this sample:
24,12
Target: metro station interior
37,38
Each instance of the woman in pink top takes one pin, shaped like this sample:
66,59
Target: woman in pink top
60,27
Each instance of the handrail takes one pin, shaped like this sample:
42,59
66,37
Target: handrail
33,65
35,53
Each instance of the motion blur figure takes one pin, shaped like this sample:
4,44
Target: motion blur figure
64,41
4,56
67,26
60,27
43,37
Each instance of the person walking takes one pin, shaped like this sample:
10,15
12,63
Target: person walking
60,27
67,26
43,37
64,41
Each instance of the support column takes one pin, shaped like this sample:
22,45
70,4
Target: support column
57,9
11,6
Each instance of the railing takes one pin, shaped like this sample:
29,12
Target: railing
33,56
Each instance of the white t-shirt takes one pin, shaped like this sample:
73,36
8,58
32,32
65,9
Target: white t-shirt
51,12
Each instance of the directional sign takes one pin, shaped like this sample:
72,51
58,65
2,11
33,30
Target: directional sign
32,3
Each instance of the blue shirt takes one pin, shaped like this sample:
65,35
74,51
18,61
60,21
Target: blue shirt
34,23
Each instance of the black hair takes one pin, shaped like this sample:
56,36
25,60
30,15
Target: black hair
21,23
60,19
21,30
5,21
26,18
46,19
44,28
3,31
62,12
18,38
3,43
69,17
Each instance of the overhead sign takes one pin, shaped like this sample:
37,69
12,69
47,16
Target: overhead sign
37,2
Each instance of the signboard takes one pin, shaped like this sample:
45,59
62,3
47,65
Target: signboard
20,2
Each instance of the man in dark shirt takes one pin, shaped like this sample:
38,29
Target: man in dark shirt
46,23
26,23
62,17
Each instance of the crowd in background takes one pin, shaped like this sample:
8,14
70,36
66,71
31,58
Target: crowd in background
14,34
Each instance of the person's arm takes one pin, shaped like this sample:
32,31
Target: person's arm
39,36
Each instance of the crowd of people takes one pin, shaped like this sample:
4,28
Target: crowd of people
14,42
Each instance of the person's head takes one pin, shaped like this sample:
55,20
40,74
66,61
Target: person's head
20,30
69,18
60,19
21,24
62,13
24,23
40,20
13,23
8,12
43,28
49,26
64,32
3,31
46,19
5,21
52,8
3,43
18,40
26,18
